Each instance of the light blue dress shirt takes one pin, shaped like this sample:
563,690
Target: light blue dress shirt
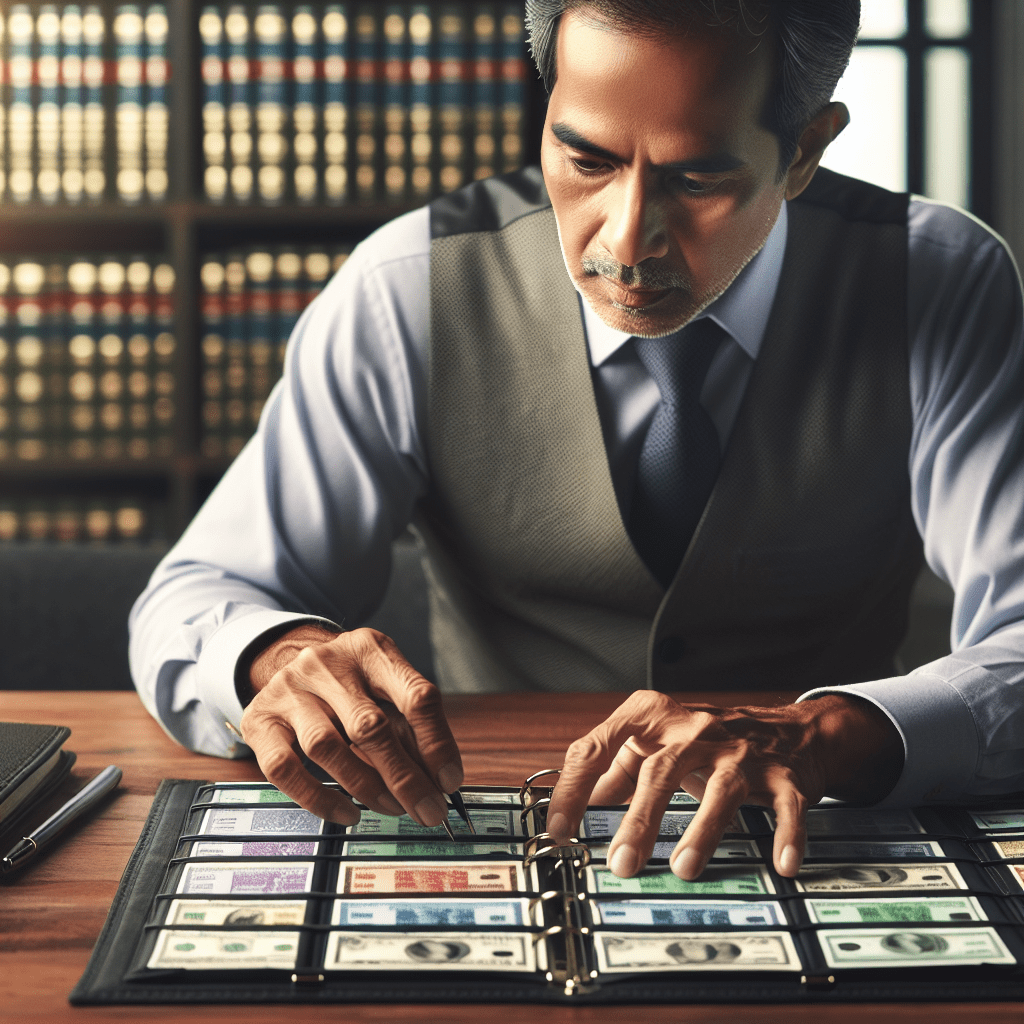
301,524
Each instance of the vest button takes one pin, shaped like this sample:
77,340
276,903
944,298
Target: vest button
670,649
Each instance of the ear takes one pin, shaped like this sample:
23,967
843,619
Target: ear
814,140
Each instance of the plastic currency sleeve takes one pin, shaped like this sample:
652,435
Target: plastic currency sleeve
264,878
197,951
895,909
695,951
486,823
241,912
412,913
430,951
894,947
723,880
877,877
727,914
426,877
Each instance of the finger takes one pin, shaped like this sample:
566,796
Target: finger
726,789
589,757
634,840
271,741
618,784
419,701
790,807
319,738
368,727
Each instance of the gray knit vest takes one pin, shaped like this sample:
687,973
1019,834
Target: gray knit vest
800,570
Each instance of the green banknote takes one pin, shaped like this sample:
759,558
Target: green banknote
412,849
886,911
716,881
249,795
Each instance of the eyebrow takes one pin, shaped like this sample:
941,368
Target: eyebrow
706,164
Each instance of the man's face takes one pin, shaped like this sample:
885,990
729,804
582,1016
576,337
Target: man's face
662,179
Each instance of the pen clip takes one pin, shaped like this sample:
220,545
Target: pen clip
460,805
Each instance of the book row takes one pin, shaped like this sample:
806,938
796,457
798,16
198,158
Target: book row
86,359
84,114
74,519
379,102
252,300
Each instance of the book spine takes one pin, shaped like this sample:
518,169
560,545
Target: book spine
30,440
21,125
111,383
4,104
396,103
235,364
81,360
72,111
48,108
453,97
157,123
271,111
164,345
335,29
95,114
306,105
6,361
287,286
259,267
55,317
368,120
485,98
128,114
140,361
421,101
215,137
240,112
513,87
213,349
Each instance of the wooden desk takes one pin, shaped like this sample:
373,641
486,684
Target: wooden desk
50,918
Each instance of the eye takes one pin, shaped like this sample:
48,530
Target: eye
692,186
587,165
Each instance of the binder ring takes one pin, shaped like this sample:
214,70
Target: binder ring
546,851
549,895
533,806
526,788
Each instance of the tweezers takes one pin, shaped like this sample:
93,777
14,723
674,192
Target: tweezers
460,805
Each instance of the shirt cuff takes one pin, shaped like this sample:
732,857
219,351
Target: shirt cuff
940,736
215,670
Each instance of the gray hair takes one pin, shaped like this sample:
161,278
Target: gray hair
815,39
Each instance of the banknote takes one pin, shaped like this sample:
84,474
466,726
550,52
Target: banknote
486,823
252,877
489,796
729,849
695,951
680,798
870,851
868,877
892,947
220,950
254,794
240,912
893,909
411,913
443,876
385,848
427,951
997,820
1009,847
252,821
834,821
1018,873
601,824
220,848
717,880
727,914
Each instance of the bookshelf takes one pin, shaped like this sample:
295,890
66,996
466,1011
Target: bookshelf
180,231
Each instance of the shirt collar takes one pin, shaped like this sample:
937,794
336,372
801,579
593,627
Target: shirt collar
742,310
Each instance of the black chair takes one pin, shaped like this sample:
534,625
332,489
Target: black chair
64,613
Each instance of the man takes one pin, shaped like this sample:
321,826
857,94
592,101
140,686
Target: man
693,474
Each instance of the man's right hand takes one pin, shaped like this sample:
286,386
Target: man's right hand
357,708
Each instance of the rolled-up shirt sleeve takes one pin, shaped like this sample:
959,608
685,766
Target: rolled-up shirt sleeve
300,527
962,717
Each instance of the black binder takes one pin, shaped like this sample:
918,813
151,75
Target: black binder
559,902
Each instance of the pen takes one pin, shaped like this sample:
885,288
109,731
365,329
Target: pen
460,805
26,848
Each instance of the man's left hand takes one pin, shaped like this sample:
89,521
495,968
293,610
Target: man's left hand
785,758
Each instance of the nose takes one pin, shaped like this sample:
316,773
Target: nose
634,226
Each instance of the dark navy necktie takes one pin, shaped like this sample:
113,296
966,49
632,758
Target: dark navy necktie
680,456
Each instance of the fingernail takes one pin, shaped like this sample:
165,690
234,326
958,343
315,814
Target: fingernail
432,810
558,825
390,804
451,777
624,861
344,814
688,864
789,862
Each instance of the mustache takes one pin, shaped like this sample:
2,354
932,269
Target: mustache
648,274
